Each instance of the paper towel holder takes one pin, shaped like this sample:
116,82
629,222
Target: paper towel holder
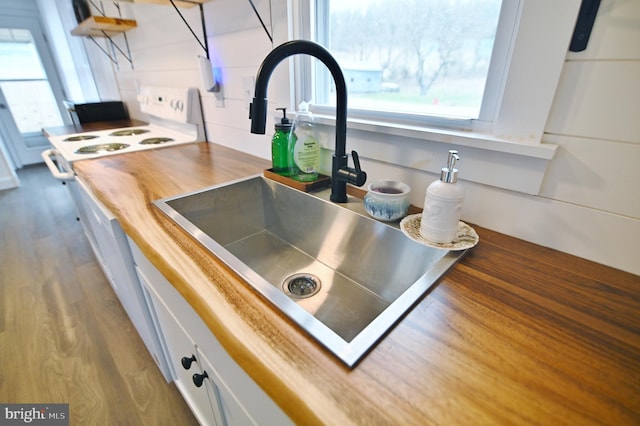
210,80
209,75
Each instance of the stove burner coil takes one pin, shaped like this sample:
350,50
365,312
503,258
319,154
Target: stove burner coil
79,138
101,148
155,141
129,132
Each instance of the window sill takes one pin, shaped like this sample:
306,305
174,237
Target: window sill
457,137
487,159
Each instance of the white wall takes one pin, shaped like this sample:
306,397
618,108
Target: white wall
8,177
69,52
595,122
589,204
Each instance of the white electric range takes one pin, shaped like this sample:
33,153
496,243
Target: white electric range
175,118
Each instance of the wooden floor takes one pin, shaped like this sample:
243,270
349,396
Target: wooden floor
64,337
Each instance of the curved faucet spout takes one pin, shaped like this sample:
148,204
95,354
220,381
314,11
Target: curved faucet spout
258,109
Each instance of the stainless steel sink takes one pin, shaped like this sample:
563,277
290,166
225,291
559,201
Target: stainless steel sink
343,277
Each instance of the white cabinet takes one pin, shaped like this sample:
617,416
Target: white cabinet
228,396
233,411
190,372
109,244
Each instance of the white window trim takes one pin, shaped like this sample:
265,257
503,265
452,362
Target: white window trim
516,134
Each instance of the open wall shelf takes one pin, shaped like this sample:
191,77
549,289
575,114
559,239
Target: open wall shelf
103,26
106,27
186,3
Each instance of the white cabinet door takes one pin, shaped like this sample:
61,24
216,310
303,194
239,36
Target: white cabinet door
220,394
243,402
185,364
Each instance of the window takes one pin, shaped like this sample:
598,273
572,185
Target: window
412,57
527,55
24,83
503,146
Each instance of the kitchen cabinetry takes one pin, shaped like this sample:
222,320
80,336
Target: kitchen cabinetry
192,375
218,391
109,244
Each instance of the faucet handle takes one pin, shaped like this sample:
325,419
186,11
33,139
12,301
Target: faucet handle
358,176
341,172
356,160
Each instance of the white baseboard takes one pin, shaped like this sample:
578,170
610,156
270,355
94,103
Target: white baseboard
8,182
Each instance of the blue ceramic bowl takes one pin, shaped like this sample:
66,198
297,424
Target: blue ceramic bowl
387,200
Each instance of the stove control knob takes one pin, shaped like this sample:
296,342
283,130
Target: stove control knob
143,99
176,104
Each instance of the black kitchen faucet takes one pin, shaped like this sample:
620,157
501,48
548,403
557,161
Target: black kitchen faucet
341,174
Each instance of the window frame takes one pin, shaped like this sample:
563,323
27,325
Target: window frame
493,87
514,135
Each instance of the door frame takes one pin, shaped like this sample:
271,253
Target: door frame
14,140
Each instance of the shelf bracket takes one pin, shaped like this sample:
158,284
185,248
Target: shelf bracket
112,56
205,45
114,46
208,75
253,6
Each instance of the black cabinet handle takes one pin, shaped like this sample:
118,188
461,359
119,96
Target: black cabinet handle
186,362
199,378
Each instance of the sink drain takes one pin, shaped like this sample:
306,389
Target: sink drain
301,285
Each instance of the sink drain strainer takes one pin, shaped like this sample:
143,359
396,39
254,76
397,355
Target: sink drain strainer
301,285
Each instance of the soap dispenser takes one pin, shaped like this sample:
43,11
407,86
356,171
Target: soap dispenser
306,150
443,205
281,143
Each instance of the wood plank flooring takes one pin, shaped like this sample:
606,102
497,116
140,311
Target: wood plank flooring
64,337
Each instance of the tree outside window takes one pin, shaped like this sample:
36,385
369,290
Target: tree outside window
414,56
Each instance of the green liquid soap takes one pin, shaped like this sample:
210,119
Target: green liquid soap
281,143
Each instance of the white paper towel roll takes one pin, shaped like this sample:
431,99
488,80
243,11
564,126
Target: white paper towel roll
206,74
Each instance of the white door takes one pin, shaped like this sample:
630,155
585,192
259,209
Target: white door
30,91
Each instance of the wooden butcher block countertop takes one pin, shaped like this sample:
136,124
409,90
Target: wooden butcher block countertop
514,334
